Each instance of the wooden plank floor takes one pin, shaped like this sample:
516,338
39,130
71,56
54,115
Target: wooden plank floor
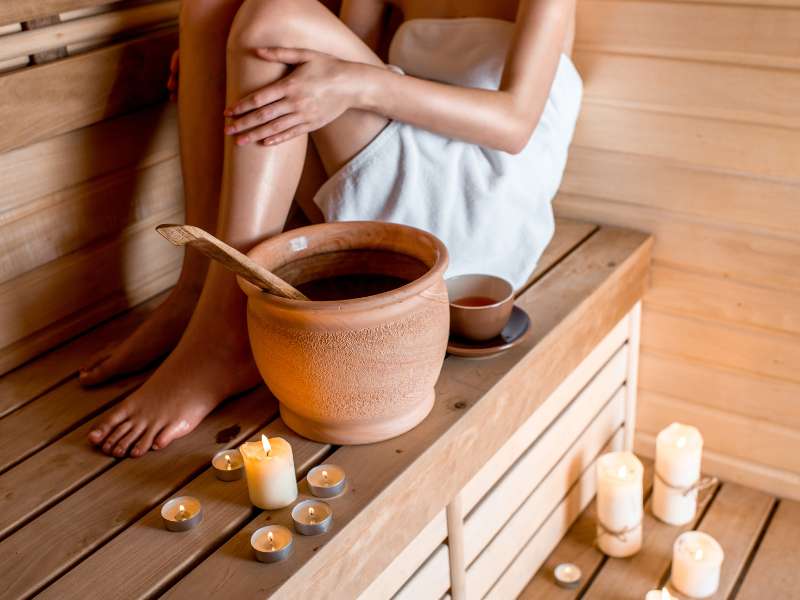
757,531
77,523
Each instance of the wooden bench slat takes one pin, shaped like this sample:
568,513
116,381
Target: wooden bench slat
746,35
577,547
774,573
735,519
13,11
36,377
57,163
50,416
431,580
576,304
84,89
80,523
143,559
66,221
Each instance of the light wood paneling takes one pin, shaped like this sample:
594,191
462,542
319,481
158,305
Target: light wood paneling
12,11
745,34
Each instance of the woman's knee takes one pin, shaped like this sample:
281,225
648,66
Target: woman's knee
262,23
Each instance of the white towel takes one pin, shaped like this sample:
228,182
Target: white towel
491,209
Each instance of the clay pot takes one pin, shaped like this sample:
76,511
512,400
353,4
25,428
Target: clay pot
359,370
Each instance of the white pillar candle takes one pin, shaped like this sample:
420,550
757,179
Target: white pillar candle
696,564
679,450
269,467
619,503
662,594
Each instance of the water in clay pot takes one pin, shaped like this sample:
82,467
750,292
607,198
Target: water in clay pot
357,363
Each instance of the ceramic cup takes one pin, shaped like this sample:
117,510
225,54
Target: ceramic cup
480,305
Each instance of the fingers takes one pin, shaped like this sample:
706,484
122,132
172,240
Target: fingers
266,95
290,133
273,128
287,56
258,117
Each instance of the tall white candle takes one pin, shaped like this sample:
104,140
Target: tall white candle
269,467
696,564
619,503
679,450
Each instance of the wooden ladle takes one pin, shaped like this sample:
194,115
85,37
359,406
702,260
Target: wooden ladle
230,258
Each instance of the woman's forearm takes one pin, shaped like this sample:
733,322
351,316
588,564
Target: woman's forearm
486,117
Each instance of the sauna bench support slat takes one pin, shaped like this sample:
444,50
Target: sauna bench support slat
404,523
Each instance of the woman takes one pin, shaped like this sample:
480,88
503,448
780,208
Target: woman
470,143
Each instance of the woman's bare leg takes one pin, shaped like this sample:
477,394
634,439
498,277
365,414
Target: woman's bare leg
212,360
201,99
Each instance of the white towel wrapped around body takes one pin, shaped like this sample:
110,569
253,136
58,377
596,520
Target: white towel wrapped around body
491,209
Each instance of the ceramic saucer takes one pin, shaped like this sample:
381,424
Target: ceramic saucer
513,333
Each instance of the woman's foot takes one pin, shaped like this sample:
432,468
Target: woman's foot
211,362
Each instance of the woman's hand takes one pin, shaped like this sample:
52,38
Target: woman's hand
319,89
172,82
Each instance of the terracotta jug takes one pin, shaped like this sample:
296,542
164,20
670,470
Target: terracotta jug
357,370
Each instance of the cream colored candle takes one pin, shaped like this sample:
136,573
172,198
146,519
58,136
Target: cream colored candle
696,564
679,450
619,503
269,467
662,594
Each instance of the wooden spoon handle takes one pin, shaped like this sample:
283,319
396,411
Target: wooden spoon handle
230,258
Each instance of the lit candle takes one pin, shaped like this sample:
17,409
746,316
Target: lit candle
181,513
619,503
228,465
269,467
662,594
567,575
272,543
696,564
312,517
326,481
679,450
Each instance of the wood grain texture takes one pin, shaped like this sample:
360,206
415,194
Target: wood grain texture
691,88
92,515
774,572
729,390
145,559
23,10
602,279
736,519
84,89
431,580
29,381
742,34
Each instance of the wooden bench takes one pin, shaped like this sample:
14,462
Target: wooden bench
499,470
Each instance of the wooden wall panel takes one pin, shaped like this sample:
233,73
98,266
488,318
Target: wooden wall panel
689,130
88,167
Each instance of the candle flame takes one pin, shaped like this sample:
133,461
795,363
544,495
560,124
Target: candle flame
325,475
311,511
698,554
270,540
681,441
622,471
265,444
228,462
181,508
665,595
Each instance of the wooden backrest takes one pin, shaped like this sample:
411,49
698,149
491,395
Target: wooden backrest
690,129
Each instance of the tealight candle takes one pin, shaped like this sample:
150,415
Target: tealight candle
326,481
269,467
567,575
312,517
679,450
662,594
181,513
696,564
272,543
619,503
228,465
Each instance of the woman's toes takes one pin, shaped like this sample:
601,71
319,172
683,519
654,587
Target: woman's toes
146,441
113,437
121,447
106,424
170,433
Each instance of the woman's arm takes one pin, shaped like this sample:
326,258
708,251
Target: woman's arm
322,87
502,119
